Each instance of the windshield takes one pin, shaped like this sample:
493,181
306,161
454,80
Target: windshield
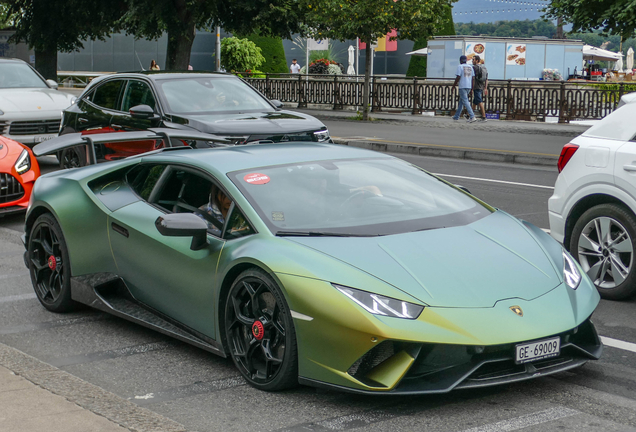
362,197
19,75
201,95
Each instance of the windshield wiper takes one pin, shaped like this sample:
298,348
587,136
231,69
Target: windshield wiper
318,234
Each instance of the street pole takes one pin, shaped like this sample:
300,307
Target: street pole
218,49
307,60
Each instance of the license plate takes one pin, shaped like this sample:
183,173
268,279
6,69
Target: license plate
40,139
538,350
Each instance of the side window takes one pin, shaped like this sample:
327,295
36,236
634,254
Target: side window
107,94
143,178
237,226
188,192
137,93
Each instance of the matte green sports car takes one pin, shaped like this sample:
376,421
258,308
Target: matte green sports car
313,263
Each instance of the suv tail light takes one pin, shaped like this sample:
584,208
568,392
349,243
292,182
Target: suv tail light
566,154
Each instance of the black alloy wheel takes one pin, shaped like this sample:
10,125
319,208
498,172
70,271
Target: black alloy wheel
48,261
259,332
73,157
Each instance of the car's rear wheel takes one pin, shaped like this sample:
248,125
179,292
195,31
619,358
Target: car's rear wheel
73,157
259,332
604,242
49,267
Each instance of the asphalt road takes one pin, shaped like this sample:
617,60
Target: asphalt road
205,393
451,136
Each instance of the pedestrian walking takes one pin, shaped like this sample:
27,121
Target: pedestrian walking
294,67
480,86
464,77
154,65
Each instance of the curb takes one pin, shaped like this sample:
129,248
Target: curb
84,394
476,155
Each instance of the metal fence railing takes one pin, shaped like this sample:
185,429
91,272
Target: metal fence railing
521,100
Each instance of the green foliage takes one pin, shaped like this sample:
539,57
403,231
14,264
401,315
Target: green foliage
417,64
239,55
616,17
372,19
273,51
527,29
520,29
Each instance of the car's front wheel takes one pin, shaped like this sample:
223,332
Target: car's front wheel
604,241
47,257
259,332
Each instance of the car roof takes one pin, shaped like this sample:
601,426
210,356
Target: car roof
619,125
12,60
162,75
242,157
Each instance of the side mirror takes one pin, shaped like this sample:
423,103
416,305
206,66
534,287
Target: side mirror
463,188
142,112
184,225
51,83
277,104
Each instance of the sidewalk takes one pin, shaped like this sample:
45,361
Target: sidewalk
37,397
512,154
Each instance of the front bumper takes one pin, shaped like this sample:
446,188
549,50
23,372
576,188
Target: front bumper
344,347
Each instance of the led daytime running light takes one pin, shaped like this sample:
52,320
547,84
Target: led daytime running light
24,162
571,273
380,305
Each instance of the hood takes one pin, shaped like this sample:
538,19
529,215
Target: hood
34,100
10,149
275,122
475,265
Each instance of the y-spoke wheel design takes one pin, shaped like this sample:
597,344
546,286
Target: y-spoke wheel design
603,241
48,265
259,332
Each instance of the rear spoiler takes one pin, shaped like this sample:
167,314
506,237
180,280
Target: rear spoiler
75,139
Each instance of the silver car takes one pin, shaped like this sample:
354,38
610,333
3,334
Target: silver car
30,106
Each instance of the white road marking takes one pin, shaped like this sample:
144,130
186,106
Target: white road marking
12,298
146,396
494,181
615,343
526,420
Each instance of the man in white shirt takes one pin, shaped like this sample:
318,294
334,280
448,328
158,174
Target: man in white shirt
294,67
464,76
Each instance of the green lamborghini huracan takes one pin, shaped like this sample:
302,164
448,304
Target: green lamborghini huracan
310,263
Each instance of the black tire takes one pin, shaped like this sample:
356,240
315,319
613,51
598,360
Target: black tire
49,266
603,242
73,157
271,362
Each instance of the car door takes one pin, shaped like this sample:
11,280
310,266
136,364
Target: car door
625,166
163,272
98,106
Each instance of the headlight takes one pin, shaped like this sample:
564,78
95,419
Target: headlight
24,162
571,273
322,135
380,305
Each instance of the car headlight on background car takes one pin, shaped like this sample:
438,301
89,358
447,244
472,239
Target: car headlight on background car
322,135
571,273
380,305
23,163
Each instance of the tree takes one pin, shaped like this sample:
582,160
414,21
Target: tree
273,51
181,18
239,55
417,64
610,16
49,26
370,20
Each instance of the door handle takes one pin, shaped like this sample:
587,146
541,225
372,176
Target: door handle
120,229
82,120
630,168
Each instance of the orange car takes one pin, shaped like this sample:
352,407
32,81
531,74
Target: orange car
18,171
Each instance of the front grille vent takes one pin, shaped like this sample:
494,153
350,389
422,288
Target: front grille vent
35,127
371,359
10,188
3,126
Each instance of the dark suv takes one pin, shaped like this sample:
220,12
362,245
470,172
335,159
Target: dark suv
219,104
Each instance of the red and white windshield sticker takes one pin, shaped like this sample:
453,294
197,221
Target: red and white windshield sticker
256,178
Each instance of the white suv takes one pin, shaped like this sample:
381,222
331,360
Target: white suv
593,208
